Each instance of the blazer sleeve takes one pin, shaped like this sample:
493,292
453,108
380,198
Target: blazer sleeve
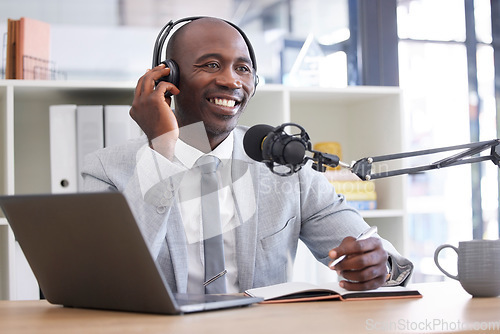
327,218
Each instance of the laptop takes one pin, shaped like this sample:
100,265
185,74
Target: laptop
87,251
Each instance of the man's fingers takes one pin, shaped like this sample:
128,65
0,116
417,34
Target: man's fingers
366,285
369,253
351,247
342,249
146,83
365,273
364,266
164,87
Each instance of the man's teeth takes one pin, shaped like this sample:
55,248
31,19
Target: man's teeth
223,102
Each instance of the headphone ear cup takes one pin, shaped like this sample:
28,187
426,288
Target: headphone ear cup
255,82
173,76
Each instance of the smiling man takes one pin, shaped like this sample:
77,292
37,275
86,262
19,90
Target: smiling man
260,224
217,79
217,76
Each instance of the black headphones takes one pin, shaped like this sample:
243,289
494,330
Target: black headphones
174,76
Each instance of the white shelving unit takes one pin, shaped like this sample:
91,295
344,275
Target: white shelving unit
365,120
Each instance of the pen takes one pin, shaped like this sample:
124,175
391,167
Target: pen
365,235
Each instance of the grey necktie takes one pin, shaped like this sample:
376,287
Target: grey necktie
215,281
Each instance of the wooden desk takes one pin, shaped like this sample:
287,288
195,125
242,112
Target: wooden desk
445,307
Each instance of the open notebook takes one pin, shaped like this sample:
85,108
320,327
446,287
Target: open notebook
300,291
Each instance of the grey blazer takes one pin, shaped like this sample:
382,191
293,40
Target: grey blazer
273,217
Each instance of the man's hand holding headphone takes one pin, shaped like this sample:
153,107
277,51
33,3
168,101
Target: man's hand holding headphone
151,110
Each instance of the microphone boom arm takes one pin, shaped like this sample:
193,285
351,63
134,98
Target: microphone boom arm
362,168
275,147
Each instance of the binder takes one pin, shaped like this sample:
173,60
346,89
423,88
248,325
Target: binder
63,160
76,131
89,134
118,125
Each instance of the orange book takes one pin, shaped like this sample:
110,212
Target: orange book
10,66
29,54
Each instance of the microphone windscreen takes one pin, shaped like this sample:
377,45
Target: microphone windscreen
252,141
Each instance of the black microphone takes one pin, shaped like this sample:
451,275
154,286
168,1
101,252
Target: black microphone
264,143
283,153
276,148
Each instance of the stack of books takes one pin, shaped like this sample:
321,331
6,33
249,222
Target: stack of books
360,194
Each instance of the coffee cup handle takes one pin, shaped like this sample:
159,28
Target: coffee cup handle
436,260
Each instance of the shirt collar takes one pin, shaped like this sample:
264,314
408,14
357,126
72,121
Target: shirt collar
188,155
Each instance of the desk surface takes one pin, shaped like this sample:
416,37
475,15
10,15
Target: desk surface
445,307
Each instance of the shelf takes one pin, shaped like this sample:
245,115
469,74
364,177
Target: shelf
61,84
350,95
382,213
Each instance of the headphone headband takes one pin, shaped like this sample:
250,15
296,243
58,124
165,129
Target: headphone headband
165,31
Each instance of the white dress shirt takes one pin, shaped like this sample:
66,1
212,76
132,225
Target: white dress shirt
190,207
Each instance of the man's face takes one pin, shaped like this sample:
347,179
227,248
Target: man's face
216,79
